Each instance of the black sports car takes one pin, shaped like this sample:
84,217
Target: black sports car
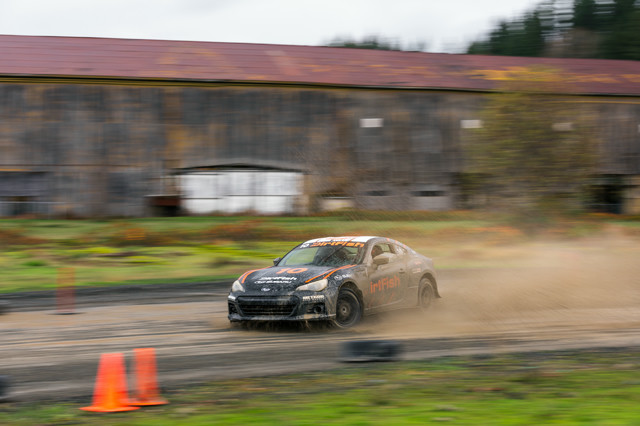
337,279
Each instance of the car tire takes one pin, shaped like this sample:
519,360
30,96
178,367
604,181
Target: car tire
426,294
348,309
4,388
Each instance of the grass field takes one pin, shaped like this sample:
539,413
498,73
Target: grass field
584,387
597,387
107,252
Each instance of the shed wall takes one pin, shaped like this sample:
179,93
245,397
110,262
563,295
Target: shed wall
106,147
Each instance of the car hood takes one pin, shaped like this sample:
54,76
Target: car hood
286,278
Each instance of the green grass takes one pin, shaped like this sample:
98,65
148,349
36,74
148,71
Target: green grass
150,250
589,387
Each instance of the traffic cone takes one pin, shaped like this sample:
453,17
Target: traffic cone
146,381
110,392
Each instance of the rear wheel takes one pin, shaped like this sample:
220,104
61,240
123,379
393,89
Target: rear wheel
348,309
427,293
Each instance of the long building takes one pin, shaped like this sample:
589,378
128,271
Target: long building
94,127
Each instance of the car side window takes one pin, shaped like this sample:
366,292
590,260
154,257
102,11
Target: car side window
381,248
399,250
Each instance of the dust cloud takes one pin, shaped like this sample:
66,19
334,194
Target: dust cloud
590,284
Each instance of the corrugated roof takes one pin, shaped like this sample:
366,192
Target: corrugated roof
207,61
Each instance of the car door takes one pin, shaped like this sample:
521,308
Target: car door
406,278
387,282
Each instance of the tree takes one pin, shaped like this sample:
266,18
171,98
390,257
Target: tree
532,35
585,15
369,42
520,37
623,42
375,42
606,29
534,153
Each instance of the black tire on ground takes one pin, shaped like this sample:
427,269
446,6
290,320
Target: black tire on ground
4,387
370,350
426,294
348,309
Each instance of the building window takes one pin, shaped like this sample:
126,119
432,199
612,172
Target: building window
562,127
371,122
471,124
377,193
428,193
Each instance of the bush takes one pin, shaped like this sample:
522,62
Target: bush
35,263
256,230
12,237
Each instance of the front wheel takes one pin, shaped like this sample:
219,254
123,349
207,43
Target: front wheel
348,309
427,293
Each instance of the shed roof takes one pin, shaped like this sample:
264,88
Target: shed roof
264,63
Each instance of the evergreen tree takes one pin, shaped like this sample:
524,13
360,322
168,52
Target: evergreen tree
532,43
369,42
585,15
580,28
623,42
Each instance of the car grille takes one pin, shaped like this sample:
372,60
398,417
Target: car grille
267,306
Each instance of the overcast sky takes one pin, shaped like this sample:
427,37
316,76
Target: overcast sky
442,25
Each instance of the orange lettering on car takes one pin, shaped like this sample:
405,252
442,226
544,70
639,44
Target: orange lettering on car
385,283
336,243
291,270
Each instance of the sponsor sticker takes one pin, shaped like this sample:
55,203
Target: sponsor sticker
275,280
337,243
384,284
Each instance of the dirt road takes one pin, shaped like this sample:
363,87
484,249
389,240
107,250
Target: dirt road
51,356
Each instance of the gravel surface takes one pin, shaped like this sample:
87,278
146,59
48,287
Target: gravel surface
49,356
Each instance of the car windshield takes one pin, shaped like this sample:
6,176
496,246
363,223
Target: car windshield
328,255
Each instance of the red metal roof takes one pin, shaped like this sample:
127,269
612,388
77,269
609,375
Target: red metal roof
206,61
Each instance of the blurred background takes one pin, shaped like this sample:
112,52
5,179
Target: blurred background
121,127
459,128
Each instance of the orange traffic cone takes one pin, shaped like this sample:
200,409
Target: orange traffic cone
146,382
110,393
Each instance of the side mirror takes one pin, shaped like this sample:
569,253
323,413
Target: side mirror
276,261
382,259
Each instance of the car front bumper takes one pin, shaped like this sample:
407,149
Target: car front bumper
294,307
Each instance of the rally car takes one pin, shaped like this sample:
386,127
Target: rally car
336,279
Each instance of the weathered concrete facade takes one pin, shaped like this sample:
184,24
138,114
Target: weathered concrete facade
105,149
133,128
88,149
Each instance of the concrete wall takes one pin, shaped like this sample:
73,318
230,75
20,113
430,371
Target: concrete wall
105,148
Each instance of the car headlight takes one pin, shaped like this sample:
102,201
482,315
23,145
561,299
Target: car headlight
314,286
236,286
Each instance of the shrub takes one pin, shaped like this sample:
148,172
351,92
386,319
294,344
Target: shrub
35,263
